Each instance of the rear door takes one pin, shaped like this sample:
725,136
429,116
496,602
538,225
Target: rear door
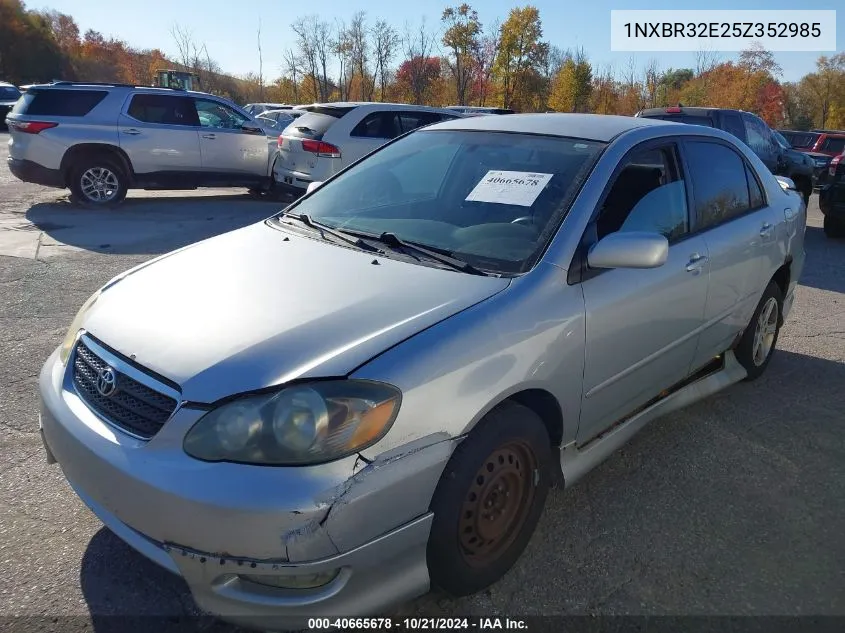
373,131
731,214
228,149
159,133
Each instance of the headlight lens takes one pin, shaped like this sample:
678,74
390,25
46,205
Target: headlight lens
75,326
303,424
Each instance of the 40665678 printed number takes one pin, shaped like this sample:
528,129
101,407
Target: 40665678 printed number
407,624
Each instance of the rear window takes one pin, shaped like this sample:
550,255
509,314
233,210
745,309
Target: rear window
834,144
58,102
8,93
316,121
801,139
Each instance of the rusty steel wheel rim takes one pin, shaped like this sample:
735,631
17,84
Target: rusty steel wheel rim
497,503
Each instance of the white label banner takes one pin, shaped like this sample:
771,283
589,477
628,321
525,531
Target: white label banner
685,30
509,187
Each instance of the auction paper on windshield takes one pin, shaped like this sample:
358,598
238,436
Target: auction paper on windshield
509,187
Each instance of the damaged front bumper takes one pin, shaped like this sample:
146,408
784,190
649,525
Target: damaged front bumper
236,533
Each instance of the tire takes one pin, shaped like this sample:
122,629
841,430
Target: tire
488,467
834,228
753,354
98,182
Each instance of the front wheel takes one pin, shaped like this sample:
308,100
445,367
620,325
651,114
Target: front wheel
98,182
489,500
757,344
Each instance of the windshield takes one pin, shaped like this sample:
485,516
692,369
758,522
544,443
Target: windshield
493,199
8,93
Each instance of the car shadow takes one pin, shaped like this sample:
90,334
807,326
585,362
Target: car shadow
152,225
735,502
825,261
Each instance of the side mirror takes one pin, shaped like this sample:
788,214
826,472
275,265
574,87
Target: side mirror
313,185
629,250
251,128
786,183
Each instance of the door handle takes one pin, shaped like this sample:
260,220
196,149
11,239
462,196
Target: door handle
696,263
766,230
211,136
131,131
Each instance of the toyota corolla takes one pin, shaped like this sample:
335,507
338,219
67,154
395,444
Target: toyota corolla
371,392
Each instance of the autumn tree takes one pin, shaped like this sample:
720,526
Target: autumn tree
521,53
485,60
417,74
462,39
573,85
385,46
825,90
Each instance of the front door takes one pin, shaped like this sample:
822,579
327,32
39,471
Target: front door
228,151
642,324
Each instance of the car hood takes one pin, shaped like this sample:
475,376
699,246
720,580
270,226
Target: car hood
261,306
815,155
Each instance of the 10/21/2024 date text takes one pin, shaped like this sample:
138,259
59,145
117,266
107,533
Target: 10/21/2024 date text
418,624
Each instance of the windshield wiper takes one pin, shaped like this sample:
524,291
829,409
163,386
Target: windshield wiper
393,240
325,228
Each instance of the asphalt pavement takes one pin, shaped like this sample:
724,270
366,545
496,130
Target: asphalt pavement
733,506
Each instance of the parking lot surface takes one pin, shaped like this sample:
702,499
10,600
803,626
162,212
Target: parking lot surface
733,506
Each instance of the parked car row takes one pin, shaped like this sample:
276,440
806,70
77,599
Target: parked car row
101,140
480,310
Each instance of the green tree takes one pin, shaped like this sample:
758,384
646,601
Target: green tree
463,39
28,52
520,55
573,85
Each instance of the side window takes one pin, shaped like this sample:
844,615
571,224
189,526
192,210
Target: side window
164,109
718,181
378,125
834,144
412,120
733,125
755,194
218,115
759,137
648,194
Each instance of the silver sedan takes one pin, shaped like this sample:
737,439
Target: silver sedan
372,392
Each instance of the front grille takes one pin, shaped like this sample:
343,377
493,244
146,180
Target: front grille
132,406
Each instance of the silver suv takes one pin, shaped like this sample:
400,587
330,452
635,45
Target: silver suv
100,140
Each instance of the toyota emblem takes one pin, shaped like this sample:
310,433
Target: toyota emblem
106,382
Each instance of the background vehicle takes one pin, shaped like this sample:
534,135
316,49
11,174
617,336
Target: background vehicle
102,139
9,94
832,198
331,136
178,79
479,110
279,119
259,108
800,140
752,130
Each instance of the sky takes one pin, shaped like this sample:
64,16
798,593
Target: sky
229,29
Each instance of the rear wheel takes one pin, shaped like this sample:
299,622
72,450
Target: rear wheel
757,344
98,182
489,500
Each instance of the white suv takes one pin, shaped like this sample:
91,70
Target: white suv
331,136
102,139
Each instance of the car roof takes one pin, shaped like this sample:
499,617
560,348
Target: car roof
598,127
358,104
688,110
7,84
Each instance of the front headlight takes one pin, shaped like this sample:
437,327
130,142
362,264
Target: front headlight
303,424
75,326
